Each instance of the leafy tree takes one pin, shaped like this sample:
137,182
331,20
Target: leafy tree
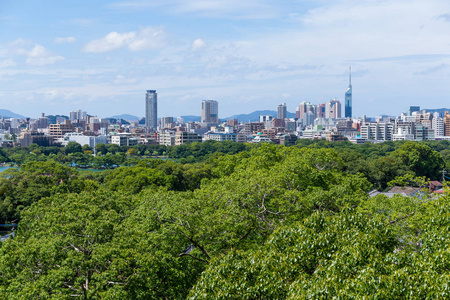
420,159
101,149
86,147
34,180
73,147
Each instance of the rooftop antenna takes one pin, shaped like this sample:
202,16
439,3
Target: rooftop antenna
350,76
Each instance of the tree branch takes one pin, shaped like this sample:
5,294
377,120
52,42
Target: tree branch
402,218
194,257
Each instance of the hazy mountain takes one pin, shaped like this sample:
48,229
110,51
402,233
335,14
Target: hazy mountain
440,111
191,118
125,117
9,114
254,116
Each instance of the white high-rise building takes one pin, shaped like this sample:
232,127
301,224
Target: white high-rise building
438,125
267,120
77,115
333,109
210,111
151,110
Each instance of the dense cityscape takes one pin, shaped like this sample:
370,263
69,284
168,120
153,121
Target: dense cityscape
311,121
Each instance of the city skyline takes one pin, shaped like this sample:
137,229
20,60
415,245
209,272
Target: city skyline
99,56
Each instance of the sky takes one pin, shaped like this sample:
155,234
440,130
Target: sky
101,56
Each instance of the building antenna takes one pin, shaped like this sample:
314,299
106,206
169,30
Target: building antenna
350,76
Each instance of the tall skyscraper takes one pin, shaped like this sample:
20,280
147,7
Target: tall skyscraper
282,111
304,108
348,96
333,109
210,111
151,109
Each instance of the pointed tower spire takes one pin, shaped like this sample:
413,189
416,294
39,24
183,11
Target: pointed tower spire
350,76
348,95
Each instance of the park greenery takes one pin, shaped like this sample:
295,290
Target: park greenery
225,221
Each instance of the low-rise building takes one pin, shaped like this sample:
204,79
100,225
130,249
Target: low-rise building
186,138
60,129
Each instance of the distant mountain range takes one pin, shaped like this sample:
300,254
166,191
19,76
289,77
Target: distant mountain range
192,118
127,117
254,116
9,114
440,111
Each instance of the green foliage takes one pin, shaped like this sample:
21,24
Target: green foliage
350,255
269,222
420,159
34,180
73,147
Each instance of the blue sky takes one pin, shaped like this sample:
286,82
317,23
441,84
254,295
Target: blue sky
101,56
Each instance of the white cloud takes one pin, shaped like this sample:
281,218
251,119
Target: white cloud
7,63
39,56
234,9
198,44
146,38
62,40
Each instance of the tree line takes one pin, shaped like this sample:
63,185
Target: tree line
267,222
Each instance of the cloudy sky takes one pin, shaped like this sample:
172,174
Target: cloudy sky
101,56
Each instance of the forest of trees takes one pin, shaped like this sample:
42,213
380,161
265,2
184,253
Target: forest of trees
225,221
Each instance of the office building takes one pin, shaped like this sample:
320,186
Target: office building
304,108
438,124
42,122
77,115
308,119
447,124
266,120
423,133
412,109
333,109
151,110
282,111
187,138
348,96
210,111
166,122
59,130
377,131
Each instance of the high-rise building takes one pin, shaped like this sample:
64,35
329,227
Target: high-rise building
447,124
348,96
266,120
151,109
333,109
77,115
282,111
210,111
308,118
412,109
438,125
320,112
166,122
304,108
